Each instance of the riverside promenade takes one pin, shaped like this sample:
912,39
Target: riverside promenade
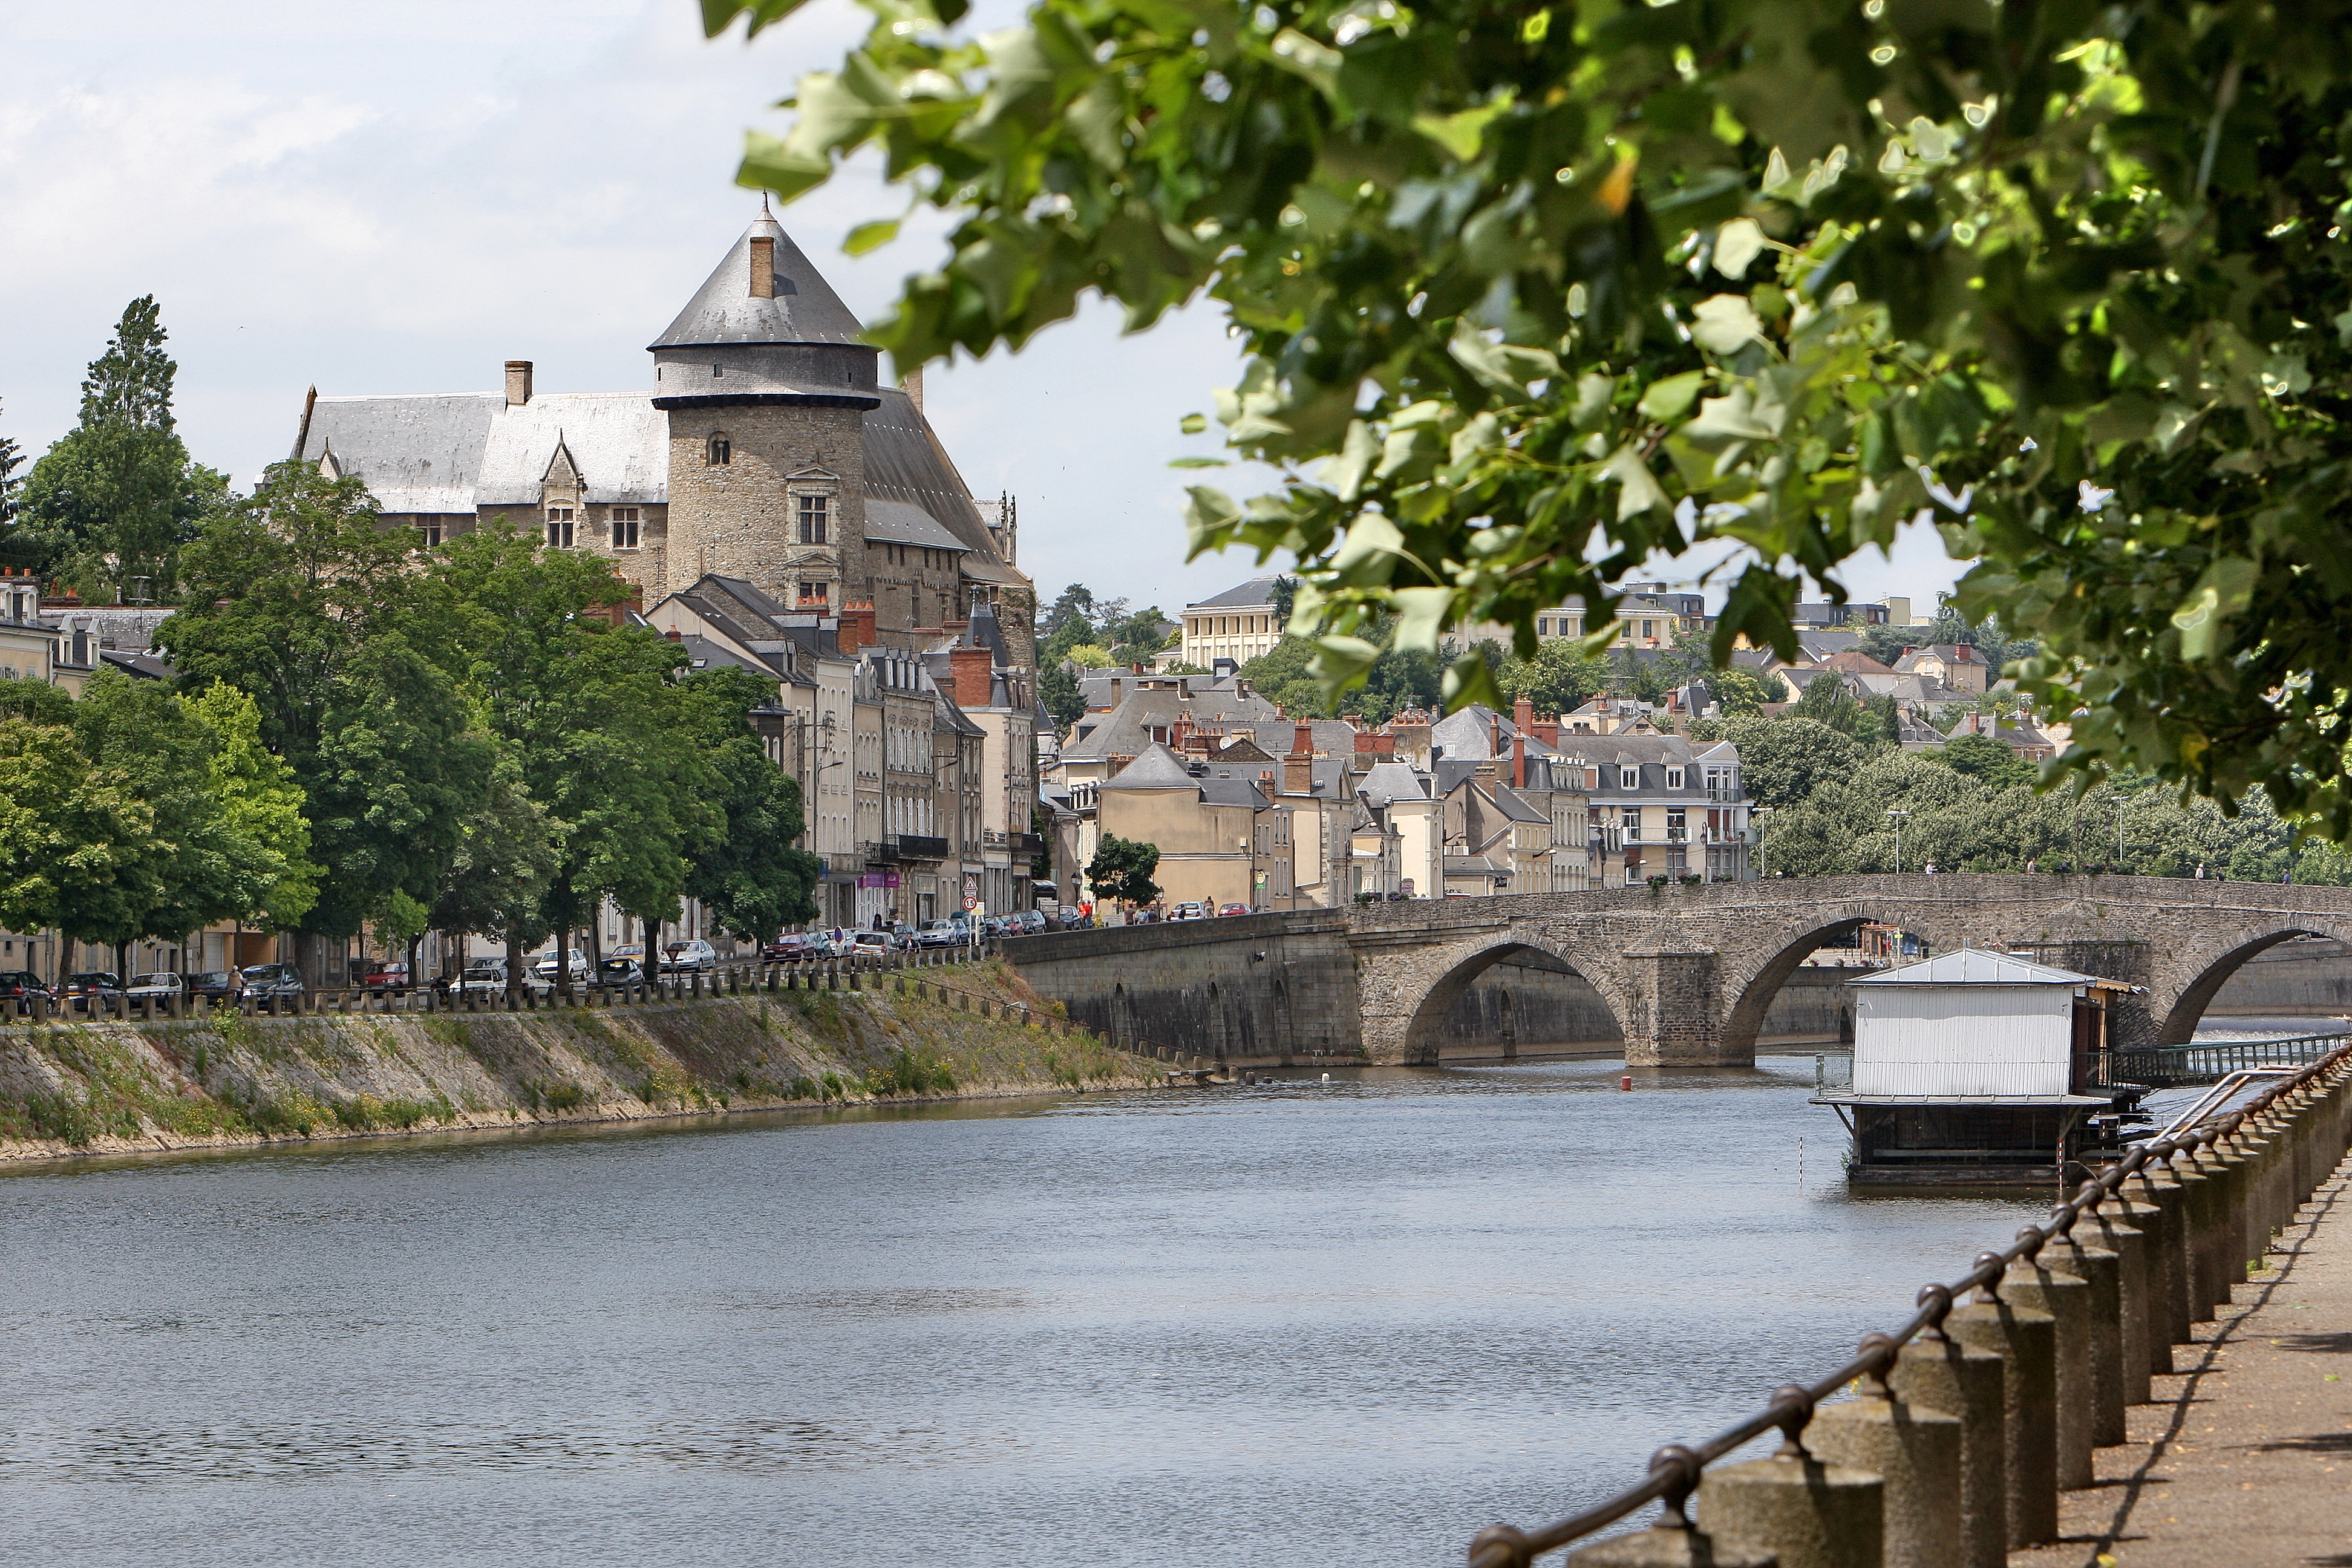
2244,1457
2148,1377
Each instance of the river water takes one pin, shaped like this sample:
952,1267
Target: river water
1346,1323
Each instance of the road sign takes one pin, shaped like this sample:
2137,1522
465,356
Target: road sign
970,890
971,904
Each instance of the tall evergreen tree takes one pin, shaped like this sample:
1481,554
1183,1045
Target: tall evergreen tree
115,499
12,457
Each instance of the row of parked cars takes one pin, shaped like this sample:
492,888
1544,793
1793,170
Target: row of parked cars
102,988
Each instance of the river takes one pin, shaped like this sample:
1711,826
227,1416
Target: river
1305,1323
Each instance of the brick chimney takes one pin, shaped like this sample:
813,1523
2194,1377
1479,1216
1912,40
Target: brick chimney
518,383
856,628
1299,767
971,669
913,387
674,634
1495,735
764,266
1522,714
1547,730
1519,758
1375,744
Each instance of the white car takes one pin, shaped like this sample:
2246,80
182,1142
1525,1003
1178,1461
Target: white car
489,975
696,957
544,967
155,987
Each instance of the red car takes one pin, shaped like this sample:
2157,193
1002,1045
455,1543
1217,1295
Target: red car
1232,909
390,977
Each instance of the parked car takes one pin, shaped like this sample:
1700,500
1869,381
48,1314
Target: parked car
489,975
265,980
1190,910
388,978
694,957
154,987
870,944
942,933
22,985
77,992
544,966
1231,909
214,985
789,948
1033,921
618,970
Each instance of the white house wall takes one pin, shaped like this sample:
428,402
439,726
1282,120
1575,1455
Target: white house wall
1962,1039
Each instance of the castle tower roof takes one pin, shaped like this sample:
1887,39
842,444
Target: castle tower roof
804,309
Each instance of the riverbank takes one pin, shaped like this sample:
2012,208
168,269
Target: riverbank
115,1087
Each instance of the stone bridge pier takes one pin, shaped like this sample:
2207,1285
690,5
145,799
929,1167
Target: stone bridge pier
1688,973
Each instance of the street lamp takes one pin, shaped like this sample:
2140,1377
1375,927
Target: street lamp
1898,814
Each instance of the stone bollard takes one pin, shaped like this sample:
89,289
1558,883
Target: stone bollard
1915,1451
1806,1513
2026,1340
2110,1223
2154,1185
2201,1173
2072,1251
1671,1543
1940,1372
2236,1235
2066,1298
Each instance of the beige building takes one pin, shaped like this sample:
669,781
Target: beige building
1238,624
1205,826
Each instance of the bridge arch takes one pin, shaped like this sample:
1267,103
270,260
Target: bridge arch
1408,997
1751,987
2184,983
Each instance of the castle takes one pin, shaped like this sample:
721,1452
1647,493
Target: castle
768,451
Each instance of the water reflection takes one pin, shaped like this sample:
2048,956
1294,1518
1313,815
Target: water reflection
1356,1320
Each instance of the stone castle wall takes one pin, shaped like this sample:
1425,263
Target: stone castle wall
741,518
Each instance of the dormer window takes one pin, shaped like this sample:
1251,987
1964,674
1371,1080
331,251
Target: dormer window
559,527
1674,778
1629,778
722,451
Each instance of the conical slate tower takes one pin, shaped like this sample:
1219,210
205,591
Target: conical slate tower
766,387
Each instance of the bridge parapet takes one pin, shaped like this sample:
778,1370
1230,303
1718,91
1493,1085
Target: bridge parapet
1688,972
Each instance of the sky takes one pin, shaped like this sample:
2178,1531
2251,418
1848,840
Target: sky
398,197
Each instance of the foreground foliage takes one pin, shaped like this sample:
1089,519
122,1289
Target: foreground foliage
1532,294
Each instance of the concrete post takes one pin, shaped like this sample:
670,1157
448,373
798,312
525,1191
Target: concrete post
1914,1450
2234,1237
2197,1234
1805,1513
1937,1372
2026,1340
2254,1197
2135,1286
2030,1283
2100,1268
2168,1262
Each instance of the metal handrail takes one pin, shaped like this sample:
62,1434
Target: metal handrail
1674,1470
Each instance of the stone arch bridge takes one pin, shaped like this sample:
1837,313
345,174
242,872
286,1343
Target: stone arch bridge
1689,972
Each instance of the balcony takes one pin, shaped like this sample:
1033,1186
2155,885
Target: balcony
915,847
1024,843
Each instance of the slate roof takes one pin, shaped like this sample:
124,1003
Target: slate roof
901,522
416,454
723,311
1155,767
1393,781
1256,594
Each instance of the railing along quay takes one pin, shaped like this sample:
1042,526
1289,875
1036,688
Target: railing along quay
2175,1066
1976,1413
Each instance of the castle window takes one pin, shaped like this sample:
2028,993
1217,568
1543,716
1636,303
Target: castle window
813,595
813,510
625,528
559,527
722,451
430,527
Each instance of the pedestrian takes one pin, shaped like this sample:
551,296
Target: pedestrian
2032,863
2200,871
1931,867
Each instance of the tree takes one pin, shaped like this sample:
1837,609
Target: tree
74,846
1827,702
1783,761
1122,869
11,457
117,495
261,804
1057,689
1982,757
497,879
1073,608
1743,691
748,874
1526,299
1557,677
1087,656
